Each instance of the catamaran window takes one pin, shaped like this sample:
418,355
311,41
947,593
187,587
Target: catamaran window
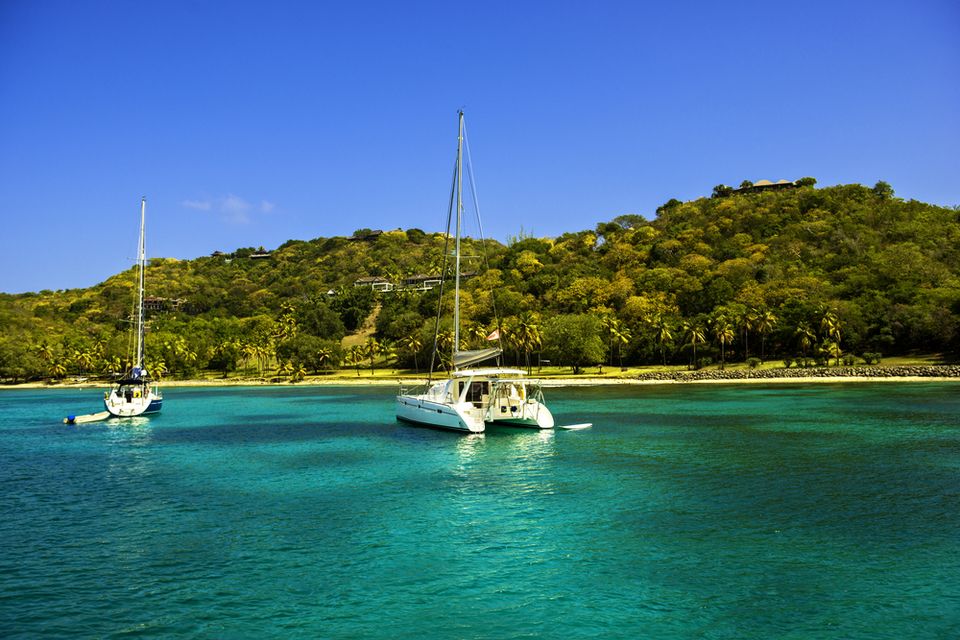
477,391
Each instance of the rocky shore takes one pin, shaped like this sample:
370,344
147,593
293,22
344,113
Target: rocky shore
930,371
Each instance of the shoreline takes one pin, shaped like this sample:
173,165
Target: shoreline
929,373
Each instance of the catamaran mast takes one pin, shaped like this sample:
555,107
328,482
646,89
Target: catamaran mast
456,290
141,260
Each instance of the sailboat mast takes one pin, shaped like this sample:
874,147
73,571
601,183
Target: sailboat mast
141,260
456,290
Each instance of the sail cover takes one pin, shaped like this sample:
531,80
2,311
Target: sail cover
467,358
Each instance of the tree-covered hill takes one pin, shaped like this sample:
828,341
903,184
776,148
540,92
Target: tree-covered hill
798,272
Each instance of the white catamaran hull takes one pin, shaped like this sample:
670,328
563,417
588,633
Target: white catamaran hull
455,417
528,415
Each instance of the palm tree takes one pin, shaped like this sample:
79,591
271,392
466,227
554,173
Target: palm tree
476,334
695,335
58,369
45,352
287,323
157,368
299,373
84,360
100,347
445,346
831,327
805,336
765,322
389,350
621,337
262,351
413,344
723,333
528,336
372,348
610,325
323,356
833,349
511,338
664,336
355,356
112,365
748,319
248,351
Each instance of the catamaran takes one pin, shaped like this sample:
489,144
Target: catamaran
470,400
135,393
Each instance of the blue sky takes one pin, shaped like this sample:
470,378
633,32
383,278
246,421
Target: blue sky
252,123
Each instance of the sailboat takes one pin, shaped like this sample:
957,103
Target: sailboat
135,393
471,400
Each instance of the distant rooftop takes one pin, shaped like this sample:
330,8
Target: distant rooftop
766,185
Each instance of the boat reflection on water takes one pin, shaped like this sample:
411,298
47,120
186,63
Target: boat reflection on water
469,447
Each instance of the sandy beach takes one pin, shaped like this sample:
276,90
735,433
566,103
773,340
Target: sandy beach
929,373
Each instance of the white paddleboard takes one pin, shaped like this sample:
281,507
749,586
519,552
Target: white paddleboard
585,425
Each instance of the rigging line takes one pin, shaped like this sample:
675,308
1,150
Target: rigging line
483,242
443,273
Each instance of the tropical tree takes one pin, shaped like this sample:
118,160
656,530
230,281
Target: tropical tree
249,352
831,327
695,335
610,324
721,191
57,369
664,333
723,333
805,337
832,349
621,337
264,350
764,324
412,344
112,365
475,334
323,356
157,367
356,355
747,319
84,359
298,373
45,352
883,190
445,347
528,336
573,340
287,323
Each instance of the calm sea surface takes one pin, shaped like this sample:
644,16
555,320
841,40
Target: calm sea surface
701,511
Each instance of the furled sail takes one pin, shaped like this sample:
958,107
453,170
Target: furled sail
467,358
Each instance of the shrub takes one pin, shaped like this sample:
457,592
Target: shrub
787,362
753,363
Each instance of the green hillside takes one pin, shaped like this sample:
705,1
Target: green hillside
794,272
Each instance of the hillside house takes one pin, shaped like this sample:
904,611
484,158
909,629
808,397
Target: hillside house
376,283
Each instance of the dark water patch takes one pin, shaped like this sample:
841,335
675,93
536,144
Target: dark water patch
256,430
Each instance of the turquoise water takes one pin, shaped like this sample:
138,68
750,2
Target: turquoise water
706,511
